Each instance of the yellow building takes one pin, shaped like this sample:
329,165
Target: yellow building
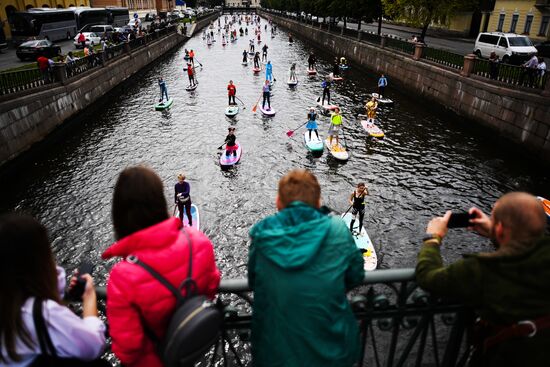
9,6
528,17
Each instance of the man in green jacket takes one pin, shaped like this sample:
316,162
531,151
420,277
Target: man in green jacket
301,263
508,288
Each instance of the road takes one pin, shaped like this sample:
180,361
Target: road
8,59
457,45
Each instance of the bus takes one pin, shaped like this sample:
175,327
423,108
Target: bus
38,23
90,16
118,17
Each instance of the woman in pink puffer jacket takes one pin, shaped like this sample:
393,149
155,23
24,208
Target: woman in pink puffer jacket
137,303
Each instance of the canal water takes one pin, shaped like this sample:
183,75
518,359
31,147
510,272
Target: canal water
429,161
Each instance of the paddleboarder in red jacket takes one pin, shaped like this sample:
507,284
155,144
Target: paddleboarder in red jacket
231,92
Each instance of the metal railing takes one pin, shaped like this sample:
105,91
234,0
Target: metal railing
400,324
400,45
443,57
17,81
511,74
84,64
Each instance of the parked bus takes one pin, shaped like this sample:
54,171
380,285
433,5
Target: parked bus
118,17
38,23
89,16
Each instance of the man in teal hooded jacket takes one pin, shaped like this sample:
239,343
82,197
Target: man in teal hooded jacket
301,263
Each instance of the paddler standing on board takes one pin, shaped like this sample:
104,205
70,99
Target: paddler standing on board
163,90
230,142
192,57
326,91
357,202
266,93
311,61
371,108
191,74
335,125
182,198
336,68
269,71
311,122
382,84
231,92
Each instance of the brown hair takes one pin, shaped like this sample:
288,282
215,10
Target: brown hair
299,185
138,201
27,269
524,215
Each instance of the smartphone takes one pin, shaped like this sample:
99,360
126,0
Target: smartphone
76,292
460,220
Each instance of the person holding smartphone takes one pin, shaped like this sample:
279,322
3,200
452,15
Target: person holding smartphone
508,288
32,289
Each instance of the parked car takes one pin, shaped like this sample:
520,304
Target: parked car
91,39
510,47
102,30
543,49
32,49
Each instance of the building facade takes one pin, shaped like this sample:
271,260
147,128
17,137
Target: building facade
242,3
528,17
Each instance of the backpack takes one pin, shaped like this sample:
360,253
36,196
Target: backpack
195,324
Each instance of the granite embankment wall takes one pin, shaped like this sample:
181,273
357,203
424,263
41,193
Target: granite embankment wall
28,117
518,114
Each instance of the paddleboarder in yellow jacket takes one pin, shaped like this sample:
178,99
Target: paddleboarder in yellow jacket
371,108
335,125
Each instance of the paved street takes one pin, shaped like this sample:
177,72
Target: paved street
457,45
8,59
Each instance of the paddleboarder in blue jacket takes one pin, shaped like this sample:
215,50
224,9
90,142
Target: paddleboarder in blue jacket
163,90
269,71
382,84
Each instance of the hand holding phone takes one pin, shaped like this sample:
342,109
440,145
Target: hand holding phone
460,220
76,289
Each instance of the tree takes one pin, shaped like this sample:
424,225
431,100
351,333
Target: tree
421,13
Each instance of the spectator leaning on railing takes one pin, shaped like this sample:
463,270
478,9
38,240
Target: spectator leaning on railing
301,263
508,288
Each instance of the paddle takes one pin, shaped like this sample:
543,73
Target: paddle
289,133
221,146
244,107
256,105
198,62
344,135
343,215
174,213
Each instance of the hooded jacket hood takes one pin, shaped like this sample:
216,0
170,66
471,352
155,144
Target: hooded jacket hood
293,236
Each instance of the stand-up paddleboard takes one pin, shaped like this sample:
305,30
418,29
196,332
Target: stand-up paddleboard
314,144
546,205
195,216
250,54
245,63
380,99
337,151
335,78
326,108
292,83
227,161
191,88
344,67
164,105
256,70
363,243
311,72
371,128
268,112
232,110
223,43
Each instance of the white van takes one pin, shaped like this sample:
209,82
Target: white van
509,47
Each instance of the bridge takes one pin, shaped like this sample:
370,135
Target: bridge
239,10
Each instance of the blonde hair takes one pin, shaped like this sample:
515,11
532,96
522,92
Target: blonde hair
181,176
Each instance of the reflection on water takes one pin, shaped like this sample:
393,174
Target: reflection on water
429,161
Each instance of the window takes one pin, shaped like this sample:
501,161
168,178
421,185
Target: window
488,38
520,41
514,23
502,42
501,22
528,24
544,25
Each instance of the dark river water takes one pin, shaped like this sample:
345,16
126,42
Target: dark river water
429,161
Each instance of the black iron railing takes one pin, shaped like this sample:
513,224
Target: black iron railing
400,323
443,57
511,74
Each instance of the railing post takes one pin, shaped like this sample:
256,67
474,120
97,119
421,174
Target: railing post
383,41
469,63
418,51
60,72
546,90
359,35
127,48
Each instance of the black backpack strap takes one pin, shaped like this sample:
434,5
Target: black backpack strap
46,345
134,260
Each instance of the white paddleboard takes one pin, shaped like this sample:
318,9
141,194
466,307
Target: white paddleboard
326,108
191,88
370,127
232,111
311,71
292,83
363,242
336,79
380,99
337,151
268,112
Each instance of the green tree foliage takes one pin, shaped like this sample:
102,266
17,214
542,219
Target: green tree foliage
421,13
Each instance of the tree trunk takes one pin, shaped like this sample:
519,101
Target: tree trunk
425,27
380,24
359,25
